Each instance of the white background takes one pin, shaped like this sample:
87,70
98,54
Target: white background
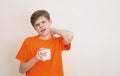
95,48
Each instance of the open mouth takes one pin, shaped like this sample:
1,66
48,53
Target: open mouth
43,30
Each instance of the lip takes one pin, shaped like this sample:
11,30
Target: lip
43,30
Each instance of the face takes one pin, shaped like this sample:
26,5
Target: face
42,26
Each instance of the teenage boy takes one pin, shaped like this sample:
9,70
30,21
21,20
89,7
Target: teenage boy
32,59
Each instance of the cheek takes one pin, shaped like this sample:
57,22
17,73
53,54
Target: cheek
36,28
48,27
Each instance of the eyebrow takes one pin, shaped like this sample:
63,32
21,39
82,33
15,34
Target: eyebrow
37,24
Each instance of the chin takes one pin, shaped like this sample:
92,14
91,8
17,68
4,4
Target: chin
44,34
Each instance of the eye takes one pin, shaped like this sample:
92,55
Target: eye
43,22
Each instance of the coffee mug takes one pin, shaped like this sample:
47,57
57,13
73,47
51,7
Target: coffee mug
47,53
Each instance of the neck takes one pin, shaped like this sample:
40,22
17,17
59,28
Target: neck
45,37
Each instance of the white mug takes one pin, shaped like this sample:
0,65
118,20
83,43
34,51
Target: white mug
48,54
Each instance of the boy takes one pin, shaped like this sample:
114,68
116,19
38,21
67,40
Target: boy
31,58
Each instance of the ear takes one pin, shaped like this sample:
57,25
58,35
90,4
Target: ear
50,22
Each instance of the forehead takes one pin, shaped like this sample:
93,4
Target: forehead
41,18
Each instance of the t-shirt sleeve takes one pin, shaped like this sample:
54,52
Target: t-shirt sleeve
22,53
63,46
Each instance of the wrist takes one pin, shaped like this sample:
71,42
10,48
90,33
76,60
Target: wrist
53,30
35,59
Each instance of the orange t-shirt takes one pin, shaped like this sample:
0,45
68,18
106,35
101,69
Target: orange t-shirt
51,67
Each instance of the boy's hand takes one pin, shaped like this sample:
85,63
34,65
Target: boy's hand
54,33
40,55
67,35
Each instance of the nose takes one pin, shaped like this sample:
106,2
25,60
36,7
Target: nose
41,25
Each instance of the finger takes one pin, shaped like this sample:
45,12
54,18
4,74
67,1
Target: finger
42,49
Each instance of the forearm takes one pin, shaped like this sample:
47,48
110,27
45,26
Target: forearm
24,67
67,35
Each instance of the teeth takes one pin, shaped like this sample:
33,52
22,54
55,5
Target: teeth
43,30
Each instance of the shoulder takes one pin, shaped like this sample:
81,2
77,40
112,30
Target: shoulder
30,38
59,38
